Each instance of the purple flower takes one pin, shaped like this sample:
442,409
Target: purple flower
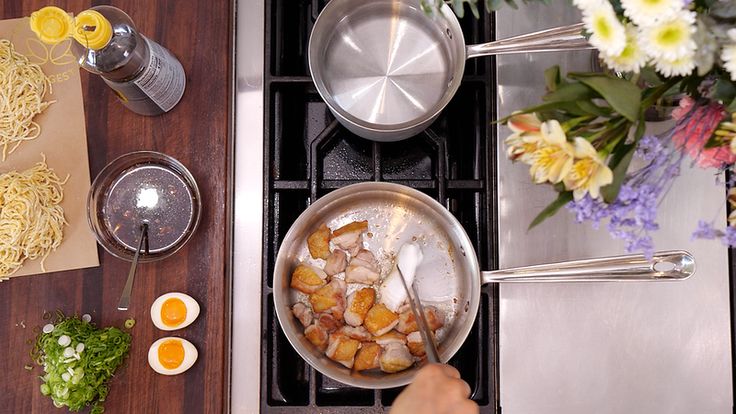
729,237
705,230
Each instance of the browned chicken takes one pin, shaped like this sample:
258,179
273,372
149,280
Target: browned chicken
330,298
342,349
415,344
359,303
319,242
317,336
303,313
391,338
395,357
336,262
307,278
367,357
380,320
367,257
408,324
328,322
356,332
350,236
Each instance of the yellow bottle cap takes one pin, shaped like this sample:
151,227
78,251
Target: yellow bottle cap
92,30
52,24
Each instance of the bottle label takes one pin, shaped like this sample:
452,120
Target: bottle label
163,79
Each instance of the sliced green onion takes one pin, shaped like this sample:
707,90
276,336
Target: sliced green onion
129,323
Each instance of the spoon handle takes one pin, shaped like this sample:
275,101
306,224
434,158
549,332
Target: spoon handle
125,297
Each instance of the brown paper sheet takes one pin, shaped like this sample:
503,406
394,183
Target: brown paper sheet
63,140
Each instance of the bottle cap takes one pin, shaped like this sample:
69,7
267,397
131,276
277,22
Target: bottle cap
92,29
52,24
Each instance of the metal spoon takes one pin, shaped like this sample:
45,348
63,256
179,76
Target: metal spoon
125,297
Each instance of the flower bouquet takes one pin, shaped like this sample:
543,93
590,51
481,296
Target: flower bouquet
581,139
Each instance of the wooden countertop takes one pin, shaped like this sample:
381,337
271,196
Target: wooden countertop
196,132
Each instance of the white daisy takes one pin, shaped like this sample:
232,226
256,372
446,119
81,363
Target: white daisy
585,5
677,67
607,32
632,58
670,39
649,12
728,55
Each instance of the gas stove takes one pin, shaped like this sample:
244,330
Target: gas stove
572,348
308,154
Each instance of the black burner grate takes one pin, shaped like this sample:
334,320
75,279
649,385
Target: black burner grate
308,154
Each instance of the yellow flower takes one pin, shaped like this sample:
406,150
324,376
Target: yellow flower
589,173
726,132
732,202
525,139
554,158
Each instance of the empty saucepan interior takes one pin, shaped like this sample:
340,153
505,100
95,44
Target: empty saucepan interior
386,69
448,278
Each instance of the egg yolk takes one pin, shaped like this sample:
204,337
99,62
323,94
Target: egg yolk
171,354
173,312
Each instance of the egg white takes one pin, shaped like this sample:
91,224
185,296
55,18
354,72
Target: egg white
190,357
191,305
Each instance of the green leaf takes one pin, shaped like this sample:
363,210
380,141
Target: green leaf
457,7
572,92
724,90
551,209
732,106
474,8
619,163
594,109
623,96
552,78
512,4
494,4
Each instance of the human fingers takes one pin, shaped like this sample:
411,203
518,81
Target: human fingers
467,407
459,387
449,370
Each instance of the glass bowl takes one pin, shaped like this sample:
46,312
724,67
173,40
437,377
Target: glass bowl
144,187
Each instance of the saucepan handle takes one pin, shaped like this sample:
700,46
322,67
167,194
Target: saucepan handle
666,265
550,40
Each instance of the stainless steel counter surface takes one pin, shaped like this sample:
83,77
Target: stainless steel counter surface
248,209
614,347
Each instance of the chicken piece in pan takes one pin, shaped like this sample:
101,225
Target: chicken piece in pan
395,357
356,332
317,336
307,278
336,262
319,242
408,323
328,322
363,268
359,303
392,337
342,349
330,298
367,357
303,313
415,344
380,320
350,236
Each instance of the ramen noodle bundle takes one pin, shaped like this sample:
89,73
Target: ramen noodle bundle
31,217
22,88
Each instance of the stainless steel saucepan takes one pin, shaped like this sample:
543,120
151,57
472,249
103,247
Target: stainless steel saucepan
449,276
386,69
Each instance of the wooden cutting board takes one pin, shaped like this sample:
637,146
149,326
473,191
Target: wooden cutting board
63,140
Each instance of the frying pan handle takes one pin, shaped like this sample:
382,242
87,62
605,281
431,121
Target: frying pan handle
667,265
550,40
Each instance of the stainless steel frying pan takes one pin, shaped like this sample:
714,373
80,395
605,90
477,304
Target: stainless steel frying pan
448,278
386,69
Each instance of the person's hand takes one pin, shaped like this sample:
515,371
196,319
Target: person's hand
437,389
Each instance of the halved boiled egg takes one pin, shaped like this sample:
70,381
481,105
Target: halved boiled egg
174,310
171,355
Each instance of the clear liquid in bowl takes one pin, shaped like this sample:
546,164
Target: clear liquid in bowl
153,194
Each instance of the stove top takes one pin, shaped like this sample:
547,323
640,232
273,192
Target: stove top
307,154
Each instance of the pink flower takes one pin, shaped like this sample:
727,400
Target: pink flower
695,125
